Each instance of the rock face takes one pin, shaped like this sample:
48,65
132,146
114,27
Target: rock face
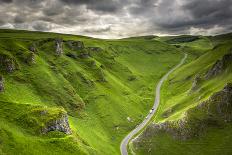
84,54
196,82
61,124
214,112
32,48
59,47
31,59
75,45
219,104
1,83
10,67
219,66
94,49
8,64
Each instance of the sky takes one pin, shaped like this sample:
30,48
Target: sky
118,18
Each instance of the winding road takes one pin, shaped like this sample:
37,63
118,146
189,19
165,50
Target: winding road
125,141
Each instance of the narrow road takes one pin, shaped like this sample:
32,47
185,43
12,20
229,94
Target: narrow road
125,141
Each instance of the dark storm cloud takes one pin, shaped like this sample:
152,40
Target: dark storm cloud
19,19
99,5
42,26
118,18
97,29
6,1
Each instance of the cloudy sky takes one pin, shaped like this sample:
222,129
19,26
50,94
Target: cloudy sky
118,18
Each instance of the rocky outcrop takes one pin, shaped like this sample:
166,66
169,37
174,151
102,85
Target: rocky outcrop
214,112
1,83
101,76
219,66
32,48
71,55
43,120
58,47
60,124
84,54
8,64
94,49
196,81
219,104
31,59
75,45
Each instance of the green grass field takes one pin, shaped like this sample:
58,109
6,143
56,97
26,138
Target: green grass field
177,98
106,91
98,92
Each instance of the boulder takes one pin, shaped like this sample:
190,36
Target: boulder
58,47
1,83
219,66
59,124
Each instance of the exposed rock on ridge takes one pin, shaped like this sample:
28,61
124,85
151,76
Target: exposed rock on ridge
8,64
1,83
75,45
219,66
59,47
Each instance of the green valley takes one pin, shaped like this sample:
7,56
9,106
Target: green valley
69,94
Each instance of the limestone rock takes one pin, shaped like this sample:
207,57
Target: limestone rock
84,54
75,45
94,49
219,104
71,55
1,83
10,67
8,64
219,66
32,48
60,124
58,47
196,81
31,59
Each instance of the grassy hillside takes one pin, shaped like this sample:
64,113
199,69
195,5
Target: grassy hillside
106,88
184,90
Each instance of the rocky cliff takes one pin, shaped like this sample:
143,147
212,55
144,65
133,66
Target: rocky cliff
1,83
7,63
219,66
58,47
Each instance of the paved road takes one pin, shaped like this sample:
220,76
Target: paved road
125,141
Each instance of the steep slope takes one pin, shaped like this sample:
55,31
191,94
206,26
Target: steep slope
191,119
70,94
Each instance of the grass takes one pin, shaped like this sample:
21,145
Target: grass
214,142
98,92
177,98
